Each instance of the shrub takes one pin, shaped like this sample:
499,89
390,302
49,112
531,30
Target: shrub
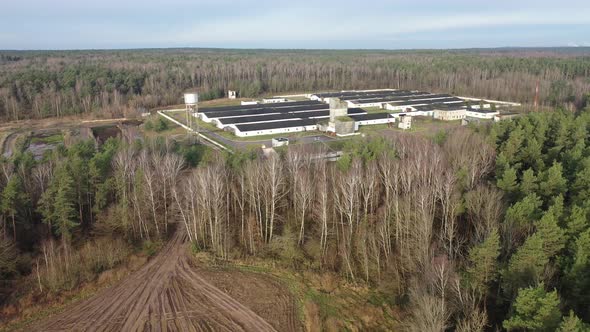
63,268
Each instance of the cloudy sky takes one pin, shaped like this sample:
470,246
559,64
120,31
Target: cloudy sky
343,24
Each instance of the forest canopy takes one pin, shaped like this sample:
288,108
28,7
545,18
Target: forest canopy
471,229
37,84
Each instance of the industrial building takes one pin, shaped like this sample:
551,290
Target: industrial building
405,122
449,113
341,113
288,117
481,113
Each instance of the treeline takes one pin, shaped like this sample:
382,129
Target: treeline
111,83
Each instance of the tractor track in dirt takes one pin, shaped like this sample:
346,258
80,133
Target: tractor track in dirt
168,294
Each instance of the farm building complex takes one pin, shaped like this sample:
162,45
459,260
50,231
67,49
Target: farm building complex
342,113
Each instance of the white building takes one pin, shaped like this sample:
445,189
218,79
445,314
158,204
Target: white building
372,119
450,114
280,127
274,100
248,102
279,141
405,122
481,113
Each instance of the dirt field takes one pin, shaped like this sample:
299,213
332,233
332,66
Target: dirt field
168,294
263,294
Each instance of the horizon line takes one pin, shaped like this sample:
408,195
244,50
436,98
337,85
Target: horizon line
293,49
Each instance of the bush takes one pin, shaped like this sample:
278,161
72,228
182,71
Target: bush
149,126
8,258
60,269
161,125
150,248
193,154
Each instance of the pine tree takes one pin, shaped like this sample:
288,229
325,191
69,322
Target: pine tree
578,276
483,263
58,205
572,323
532,154
13,198
523,213
64,208
535,310
508,181
576,223
552,182
581,185
526,266
548,229
528,183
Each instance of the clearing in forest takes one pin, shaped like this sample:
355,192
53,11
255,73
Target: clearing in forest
168,294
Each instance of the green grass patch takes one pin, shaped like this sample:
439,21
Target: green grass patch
51,139
374,110
344,119
373,128
325,303
151,248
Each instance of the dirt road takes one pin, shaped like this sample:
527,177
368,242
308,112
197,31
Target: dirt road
167,294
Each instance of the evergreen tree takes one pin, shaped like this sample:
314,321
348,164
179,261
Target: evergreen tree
553,236
578,276
508,181
535,310
483,263
572,323
13,198
526,266
528,183
58,205
581,185
576,223
522,214
552,182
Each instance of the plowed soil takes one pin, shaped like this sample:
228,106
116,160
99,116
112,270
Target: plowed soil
168,294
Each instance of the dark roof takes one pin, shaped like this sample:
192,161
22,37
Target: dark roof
396,99
394,94
267,110
283,116
292,123
276,124
258,106
428,101
273,117
371,116
352,93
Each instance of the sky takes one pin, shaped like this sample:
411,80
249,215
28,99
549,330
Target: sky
319,24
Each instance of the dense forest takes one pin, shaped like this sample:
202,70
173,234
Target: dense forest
38,84
475,229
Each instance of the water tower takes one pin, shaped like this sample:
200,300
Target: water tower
191,100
